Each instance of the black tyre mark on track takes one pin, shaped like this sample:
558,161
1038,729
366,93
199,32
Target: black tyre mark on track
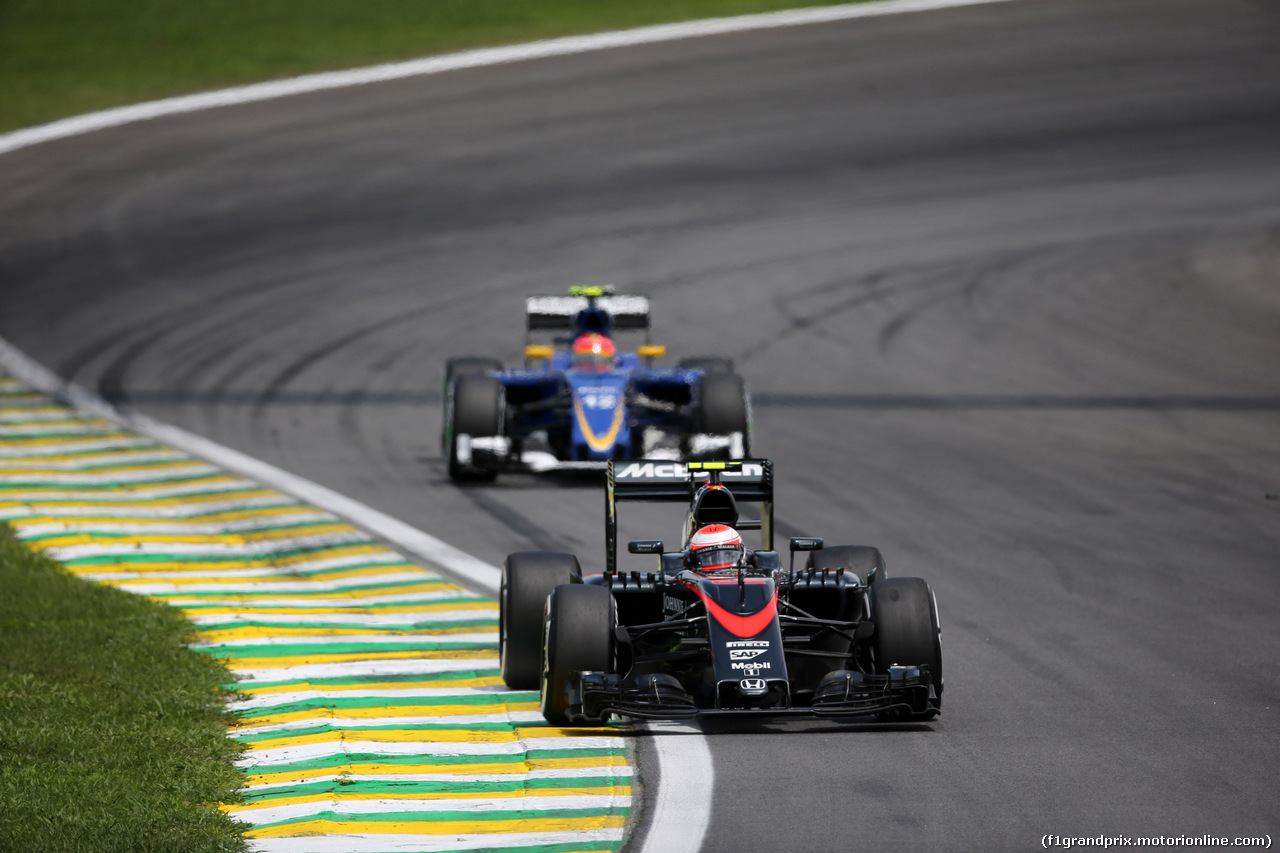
539,538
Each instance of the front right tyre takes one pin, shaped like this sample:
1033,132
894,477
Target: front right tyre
475,407
578,635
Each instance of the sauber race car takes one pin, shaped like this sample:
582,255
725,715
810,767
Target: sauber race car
714,628
578,401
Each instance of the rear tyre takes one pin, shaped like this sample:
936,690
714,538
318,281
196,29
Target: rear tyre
527,579
905,614
723,407
707,363
864,560
577,635
475,407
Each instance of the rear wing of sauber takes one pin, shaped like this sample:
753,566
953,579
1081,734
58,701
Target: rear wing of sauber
558,313
586,309
749,480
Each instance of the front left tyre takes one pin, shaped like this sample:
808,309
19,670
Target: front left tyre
907,632
723,407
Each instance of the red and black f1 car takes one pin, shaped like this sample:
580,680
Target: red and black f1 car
833,638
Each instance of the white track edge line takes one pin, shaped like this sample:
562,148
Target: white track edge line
118,116
682,802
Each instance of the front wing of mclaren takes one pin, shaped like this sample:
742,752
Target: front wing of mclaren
843,693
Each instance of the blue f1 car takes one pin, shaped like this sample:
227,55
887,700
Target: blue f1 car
579,402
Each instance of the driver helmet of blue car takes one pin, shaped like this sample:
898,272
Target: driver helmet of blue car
593,351
714,547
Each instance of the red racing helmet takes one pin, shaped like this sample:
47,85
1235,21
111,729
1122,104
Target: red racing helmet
715,546
593,351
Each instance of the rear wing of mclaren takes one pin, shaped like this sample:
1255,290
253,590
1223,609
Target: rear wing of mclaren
748,480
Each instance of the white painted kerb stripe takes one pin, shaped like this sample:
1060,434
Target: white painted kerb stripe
335,808
474,572
455,61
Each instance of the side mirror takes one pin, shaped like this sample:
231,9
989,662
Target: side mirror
651,351
537,352
803,543
645,546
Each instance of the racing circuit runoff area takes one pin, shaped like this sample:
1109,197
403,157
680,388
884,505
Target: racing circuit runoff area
1001,279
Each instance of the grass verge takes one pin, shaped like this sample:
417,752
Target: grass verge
112,732
63,57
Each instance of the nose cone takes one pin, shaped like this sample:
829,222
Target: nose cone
599,411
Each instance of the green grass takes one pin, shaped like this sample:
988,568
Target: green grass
112,732
64,57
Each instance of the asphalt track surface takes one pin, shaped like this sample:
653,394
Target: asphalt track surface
1005,281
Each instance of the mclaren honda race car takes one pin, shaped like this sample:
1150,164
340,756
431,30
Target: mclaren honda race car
578,401
713,628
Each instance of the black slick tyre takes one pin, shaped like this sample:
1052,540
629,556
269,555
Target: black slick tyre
577,635
527,579
723,407
867,562
462,365
907,633
475,407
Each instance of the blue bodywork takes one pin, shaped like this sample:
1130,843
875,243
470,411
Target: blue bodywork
552,413
590,416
